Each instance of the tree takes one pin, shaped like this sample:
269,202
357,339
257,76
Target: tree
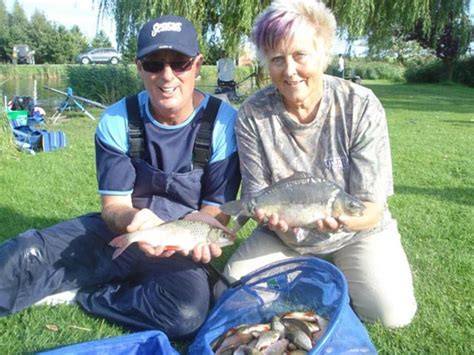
19,26
41,33
234,19
4,33
78,40
101,40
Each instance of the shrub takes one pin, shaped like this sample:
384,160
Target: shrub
104,83
464,71
427,73
371,70
435,72
108,83
7,148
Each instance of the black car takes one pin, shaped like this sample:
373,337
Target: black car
99,55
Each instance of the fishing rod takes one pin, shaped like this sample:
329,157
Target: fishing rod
94,103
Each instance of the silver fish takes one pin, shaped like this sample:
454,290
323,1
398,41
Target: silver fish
183,234
299,338
300,200
277,348
266,339
232,342
246,350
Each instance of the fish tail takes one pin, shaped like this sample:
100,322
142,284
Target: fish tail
233,208
240,221
121,243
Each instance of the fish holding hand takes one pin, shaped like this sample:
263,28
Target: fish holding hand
178,235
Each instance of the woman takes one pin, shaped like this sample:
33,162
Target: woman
334,130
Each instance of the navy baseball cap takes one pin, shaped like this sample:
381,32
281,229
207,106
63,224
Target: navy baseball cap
167,32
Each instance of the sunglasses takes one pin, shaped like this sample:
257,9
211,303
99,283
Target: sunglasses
176,66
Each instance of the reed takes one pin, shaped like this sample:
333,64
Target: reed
41,71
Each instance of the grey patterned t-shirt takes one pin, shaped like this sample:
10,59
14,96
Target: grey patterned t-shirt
347,143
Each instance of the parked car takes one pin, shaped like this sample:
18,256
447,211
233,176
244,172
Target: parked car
23,54
99,55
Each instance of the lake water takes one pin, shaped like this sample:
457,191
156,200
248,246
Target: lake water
46,99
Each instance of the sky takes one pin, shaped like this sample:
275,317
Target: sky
84,14
69,13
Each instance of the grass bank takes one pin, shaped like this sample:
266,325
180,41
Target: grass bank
431,130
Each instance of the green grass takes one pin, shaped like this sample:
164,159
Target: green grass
432,139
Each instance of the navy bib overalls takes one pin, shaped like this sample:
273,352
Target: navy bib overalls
169,294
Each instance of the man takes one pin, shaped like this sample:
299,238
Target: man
225,75
340,66
161,154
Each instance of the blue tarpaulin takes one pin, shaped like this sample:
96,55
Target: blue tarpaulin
149,342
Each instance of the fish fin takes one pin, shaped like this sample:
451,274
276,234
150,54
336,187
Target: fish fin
239,222
172,247
121,243
199,216
233,208
207,218
299,175
117,253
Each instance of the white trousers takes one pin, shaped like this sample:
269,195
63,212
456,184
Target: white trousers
376,269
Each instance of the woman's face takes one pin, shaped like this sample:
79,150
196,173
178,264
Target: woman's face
296,69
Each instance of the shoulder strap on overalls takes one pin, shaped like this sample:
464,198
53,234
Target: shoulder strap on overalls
202,146
136,129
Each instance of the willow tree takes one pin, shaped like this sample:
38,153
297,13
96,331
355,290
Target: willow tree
229,20
233,19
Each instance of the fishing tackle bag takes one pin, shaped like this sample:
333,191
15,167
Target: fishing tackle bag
28,136
147,342
304,283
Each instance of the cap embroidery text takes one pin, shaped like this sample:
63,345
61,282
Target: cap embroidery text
166,26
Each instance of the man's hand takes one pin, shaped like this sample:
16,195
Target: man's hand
203,252
158,251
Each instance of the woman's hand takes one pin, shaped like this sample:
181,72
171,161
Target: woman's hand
368,220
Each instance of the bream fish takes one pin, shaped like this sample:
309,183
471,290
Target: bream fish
183,234
300,200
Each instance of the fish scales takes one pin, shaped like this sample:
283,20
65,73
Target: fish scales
300,200
182,234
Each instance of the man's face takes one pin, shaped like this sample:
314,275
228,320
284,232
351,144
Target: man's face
169,78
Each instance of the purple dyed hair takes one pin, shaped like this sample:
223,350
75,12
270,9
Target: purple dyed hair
281,20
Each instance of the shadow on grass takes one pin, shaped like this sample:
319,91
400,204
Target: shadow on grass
13,223
459,123
462,196
425,97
